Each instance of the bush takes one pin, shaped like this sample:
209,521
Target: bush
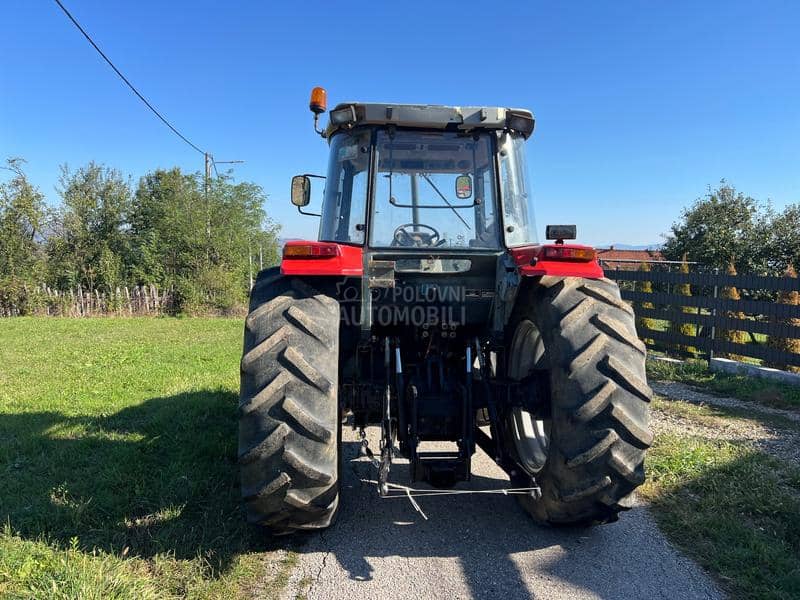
213,291
17,299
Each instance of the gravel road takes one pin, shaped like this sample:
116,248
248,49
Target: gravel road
687,393
779,440
480,546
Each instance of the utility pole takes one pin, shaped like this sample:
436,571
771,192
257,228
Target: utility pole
209,160
209,163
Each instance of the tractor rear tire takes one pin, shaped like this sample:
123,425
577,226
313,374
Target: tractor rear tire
598,430
288,411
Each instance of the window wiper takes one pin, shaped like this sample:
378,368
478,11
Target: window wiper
446,201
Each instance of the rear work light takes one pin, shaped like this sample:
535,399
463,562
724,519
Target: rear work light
344,116
520,121
318,250
569,253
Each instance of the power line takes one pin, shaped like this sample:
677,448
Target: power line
223,162
128,83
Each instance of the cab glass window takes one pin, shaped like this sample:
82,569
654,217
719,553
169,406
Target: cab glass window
345,199
434,190
518,216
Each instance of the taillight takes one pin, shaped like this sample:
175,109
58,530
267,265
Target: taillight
318,250
569,253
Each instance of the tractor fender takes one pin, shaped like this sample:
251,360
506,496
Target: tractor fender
557,260
321,258
523,266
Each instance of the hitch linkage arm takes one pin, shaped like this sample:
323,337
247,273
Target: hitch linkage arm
494,419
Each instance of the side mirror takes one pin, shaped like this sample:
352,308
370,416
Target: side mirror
301,190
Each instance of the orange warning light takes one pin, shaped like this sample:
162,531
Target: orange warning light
319,100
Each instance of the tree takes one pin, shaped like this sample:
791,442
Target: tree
172,233
782,245
783,344
199,243
166,227
89,243
22,219
723,224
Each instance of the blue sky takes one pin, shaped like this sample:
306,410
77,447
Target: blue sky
639,105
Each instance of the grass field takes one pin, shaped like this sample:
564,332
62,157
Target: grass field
733,509
118,473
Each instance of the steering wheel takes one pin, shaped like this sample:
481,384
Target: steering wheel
403,237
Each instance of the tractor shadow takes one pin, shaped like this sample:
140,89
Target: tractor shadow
157,477
499,551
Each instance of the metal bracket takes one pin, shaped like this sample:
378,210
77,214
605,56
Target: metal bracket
381,274
508,282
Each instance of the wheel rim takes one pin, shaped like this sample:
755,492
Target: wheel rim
531,436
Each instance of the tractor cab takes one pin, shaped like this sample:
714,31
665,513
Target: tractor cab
425,178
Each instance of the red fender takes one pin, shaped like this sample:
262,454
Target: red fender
558,260
321,258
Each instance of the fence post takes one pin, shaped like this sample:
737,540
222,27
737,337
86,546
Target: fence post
714,319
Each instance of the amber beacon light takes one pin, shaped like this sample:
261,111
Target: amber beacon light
319,100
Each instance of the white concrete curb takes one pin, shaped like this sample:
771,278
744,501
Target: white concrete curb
725,365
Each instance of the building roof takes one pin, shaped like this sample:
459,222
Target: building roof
613,258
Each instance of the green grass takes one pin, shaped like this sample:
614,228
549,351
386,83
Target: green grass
118,474
696,372
732,509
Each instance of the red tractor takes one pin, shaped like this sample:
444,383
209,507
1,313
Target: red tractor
428,307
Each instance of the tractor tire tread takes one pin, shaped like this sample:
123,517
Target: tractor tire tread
600,424
288,410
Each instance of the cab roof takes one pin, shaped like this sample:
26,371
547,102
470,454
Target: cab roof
347,115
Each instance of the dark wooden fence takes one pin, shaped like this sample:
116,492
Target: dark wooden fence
711,314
